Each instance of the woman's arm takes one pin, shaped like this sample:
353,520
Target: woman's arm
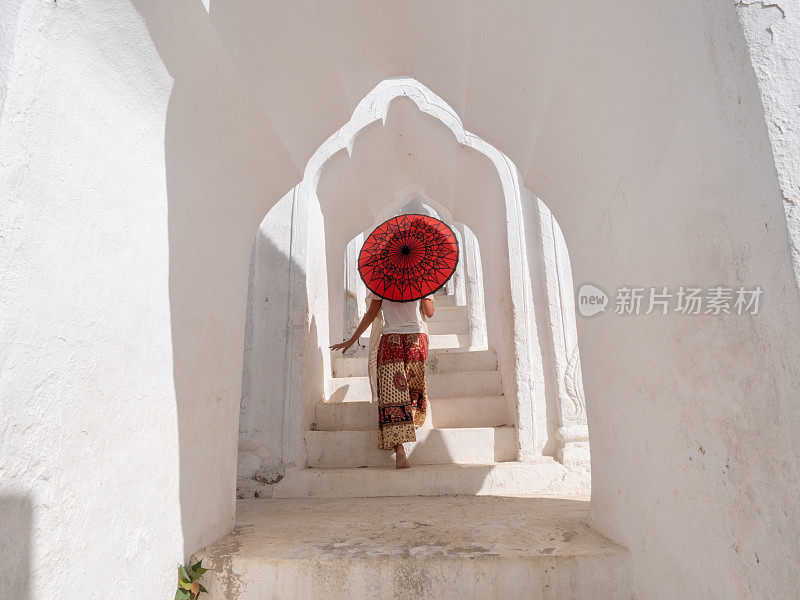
369,316
426,306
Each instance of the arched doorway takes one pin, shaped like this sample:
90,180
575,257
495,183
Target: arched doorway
296,412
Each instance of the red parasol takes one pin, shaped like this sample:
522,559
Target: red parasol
408,257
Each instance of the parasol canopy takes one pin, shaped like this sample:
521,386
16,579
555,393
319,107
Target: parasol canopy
408,257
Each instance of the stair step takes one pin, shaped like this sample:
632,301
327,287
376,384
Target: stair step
493,479
438,327
444,300
446,341
437,341
433,446
450,313
485,411
437,362
446,548
438,385
458,362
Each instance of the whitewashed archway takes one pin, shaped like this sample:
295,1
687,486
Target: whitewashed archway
547,418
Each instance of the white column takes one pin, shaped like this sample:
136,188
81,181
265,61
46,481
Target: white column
571,429
473,288
353,300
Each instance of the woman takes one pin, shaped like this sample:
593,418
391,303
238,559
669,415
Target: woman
397,368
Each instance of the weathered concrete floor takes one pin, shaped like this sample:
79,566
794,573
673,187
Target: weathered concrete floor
539,543
417,525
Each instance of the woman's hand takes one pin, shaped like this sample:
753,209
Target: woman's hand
372,312
343,346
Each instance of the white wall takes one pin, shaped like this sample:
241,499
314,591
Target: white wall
89,429
266,356
655,160
132,185
9,22
134,201
770,30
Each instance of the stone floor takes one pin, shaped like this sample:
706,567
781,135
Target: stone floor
413,547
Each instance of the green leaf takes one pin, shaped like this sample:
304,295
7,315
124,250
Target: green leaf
197,565
182,595
199,571
202,589
185,584
183,573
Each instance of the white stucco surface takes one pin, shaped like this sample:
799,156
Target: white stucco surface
673,183
444,548
119,382
142,143
89,416
770,29
9,17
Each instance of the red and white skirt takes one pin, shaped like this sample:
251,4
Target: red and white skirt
402,399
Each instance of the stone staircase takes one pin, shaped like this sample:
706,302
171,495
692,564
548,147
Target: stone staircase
466,521
467,422
468,418
467,445
447,548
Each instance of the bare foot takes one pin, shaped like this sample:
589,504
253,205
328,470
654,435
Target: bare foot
401,461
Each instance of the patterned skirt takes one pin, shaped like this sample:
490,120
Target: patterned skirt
402,400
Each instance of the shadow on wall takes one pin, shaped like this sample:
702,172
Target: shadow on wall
266,352
284,367
16,520
313,382
224,169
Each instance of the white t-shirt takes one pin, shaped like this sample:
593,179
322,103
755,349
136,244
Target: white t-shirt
400,317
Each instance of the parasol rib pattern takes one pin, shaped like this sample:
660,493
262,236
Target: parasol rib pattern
408,257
